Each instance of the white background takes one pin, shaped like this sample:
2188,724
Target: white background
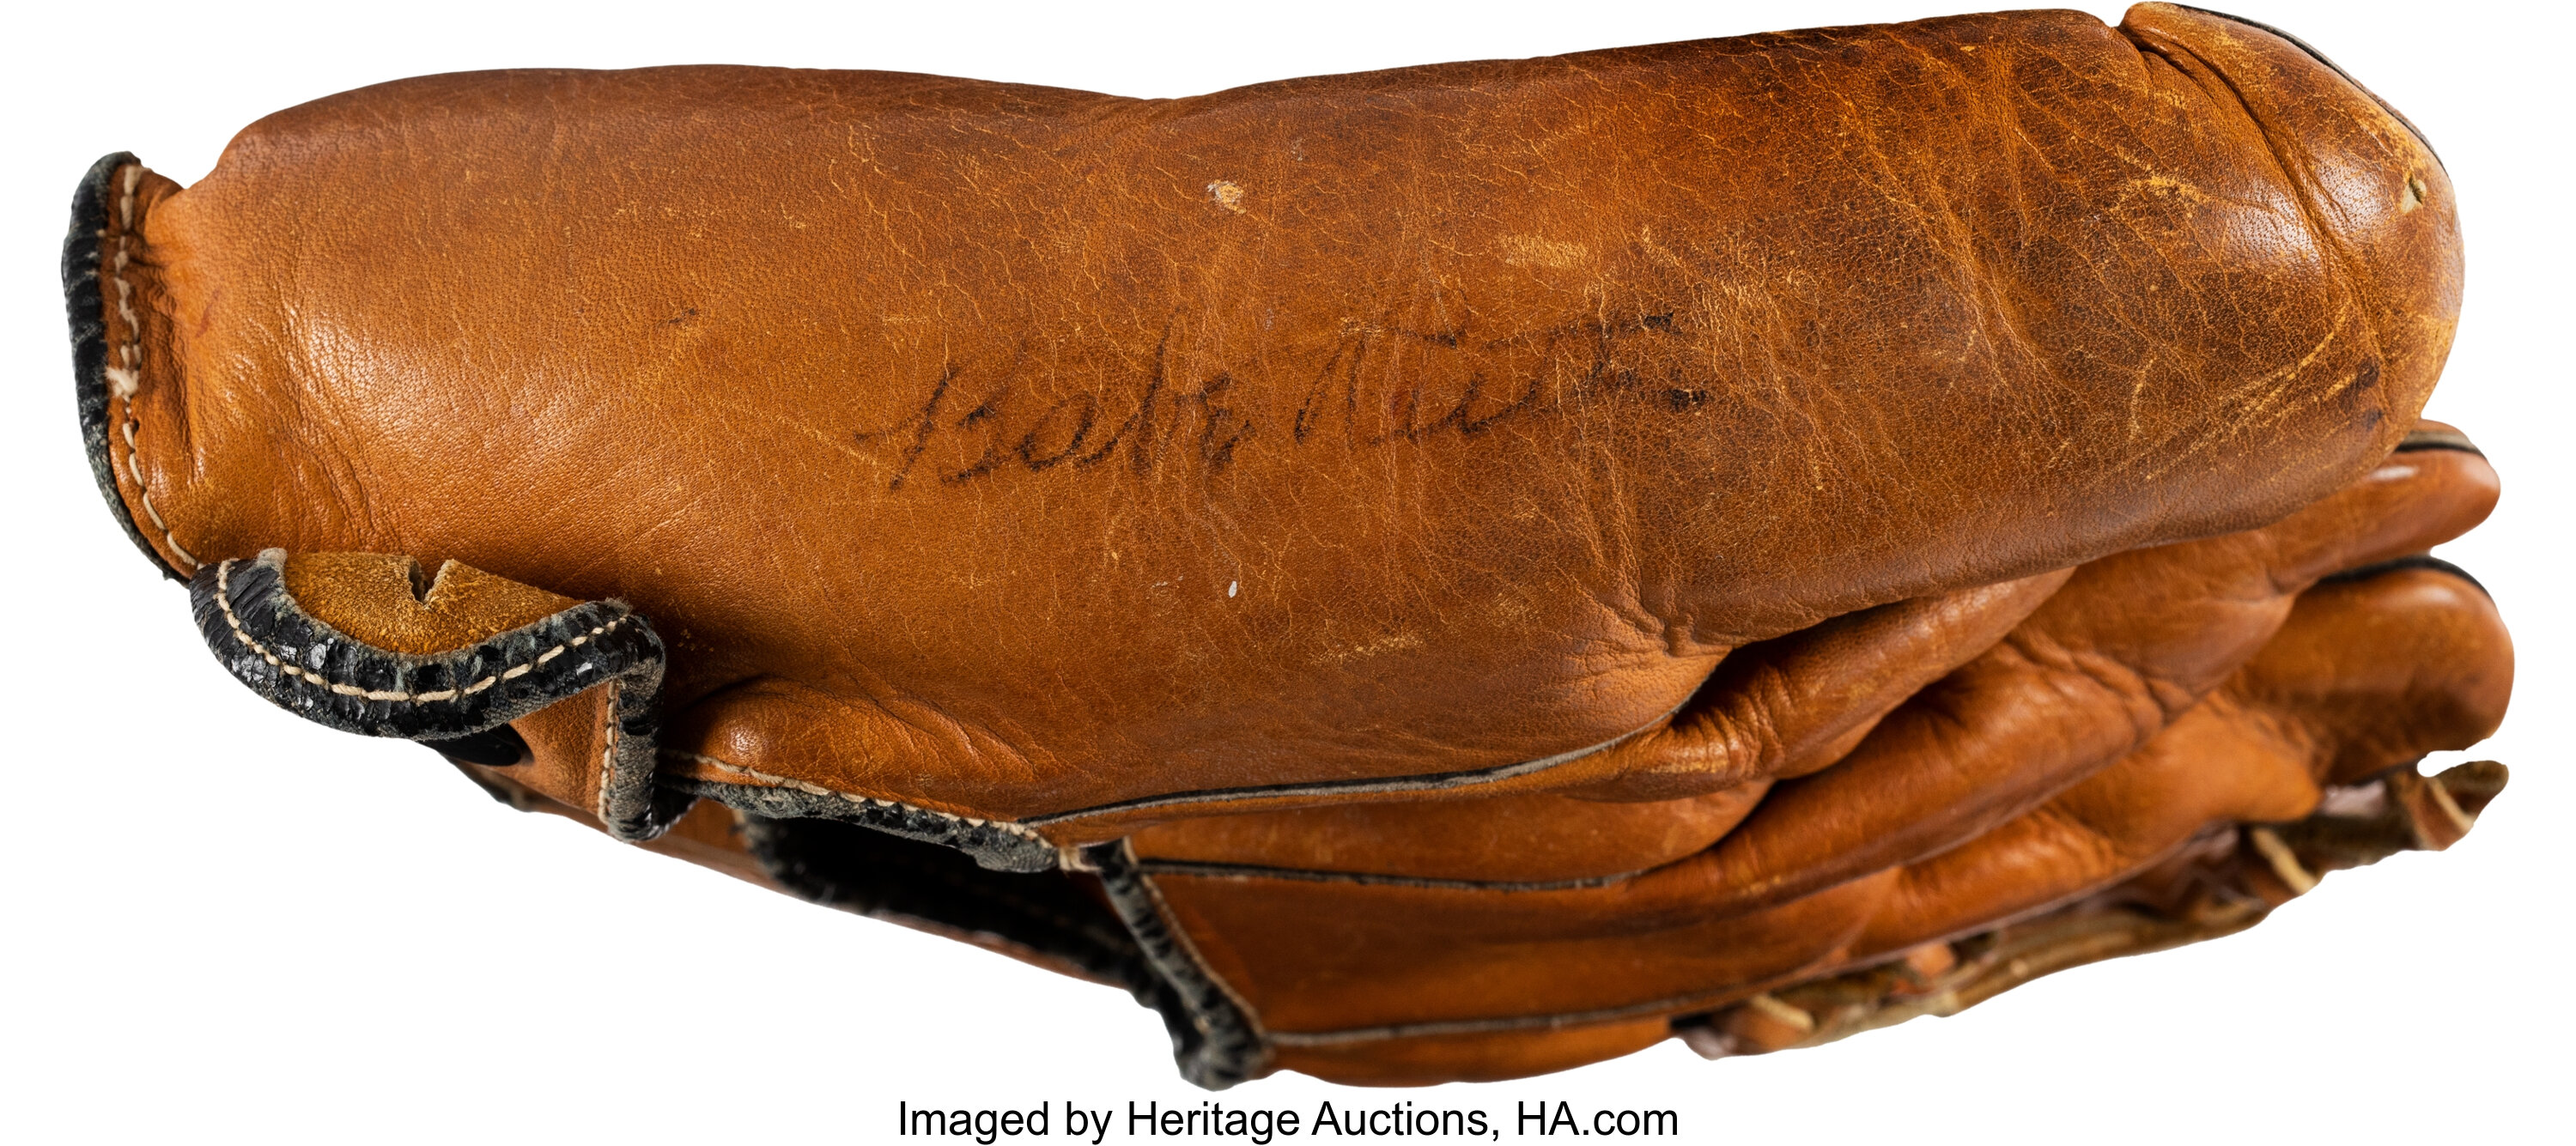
220,922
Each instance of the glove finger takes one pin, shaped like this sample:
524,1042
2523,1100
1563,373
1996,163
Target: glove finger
1772,707
2388,663
1328,954
2220,883
1542,837
1311,949
1797,703
2130,644
2366,674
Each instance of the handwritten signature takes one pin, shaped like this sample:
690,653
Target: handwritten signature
1380,383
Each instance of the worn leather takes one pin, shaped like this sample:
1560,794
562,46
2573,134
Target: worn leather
1434,533
1493,403
386,600
2029,788
2120,648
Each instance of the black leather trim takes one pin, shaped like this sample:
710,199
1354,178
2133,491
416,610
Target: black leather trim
1204,869
501,747
875,873
992,847
2420,440
86,301
1050,914
306,667
1214,1039
1376,785
2416,561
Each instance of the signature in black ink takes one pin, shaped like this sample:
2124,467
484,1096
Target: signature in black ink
1386,384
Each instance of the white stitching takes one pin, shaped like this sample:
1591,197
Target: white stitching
224,598
819,790
123,381
608,754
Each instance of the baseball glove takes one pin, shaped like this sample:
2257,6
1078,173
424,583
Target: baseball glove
1445,573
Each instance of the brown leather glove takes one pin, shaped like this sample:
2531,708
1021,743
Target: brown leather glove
1480,472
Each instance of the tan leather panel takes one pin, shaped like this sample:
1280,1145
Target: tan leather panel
565,744
1319,958
772,733
1541,837
371,596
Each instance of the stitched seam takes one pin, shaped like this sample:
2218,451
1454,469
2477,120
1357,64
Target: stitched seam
124,381
1419,782
853,797
1197,869
224,598
608,754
